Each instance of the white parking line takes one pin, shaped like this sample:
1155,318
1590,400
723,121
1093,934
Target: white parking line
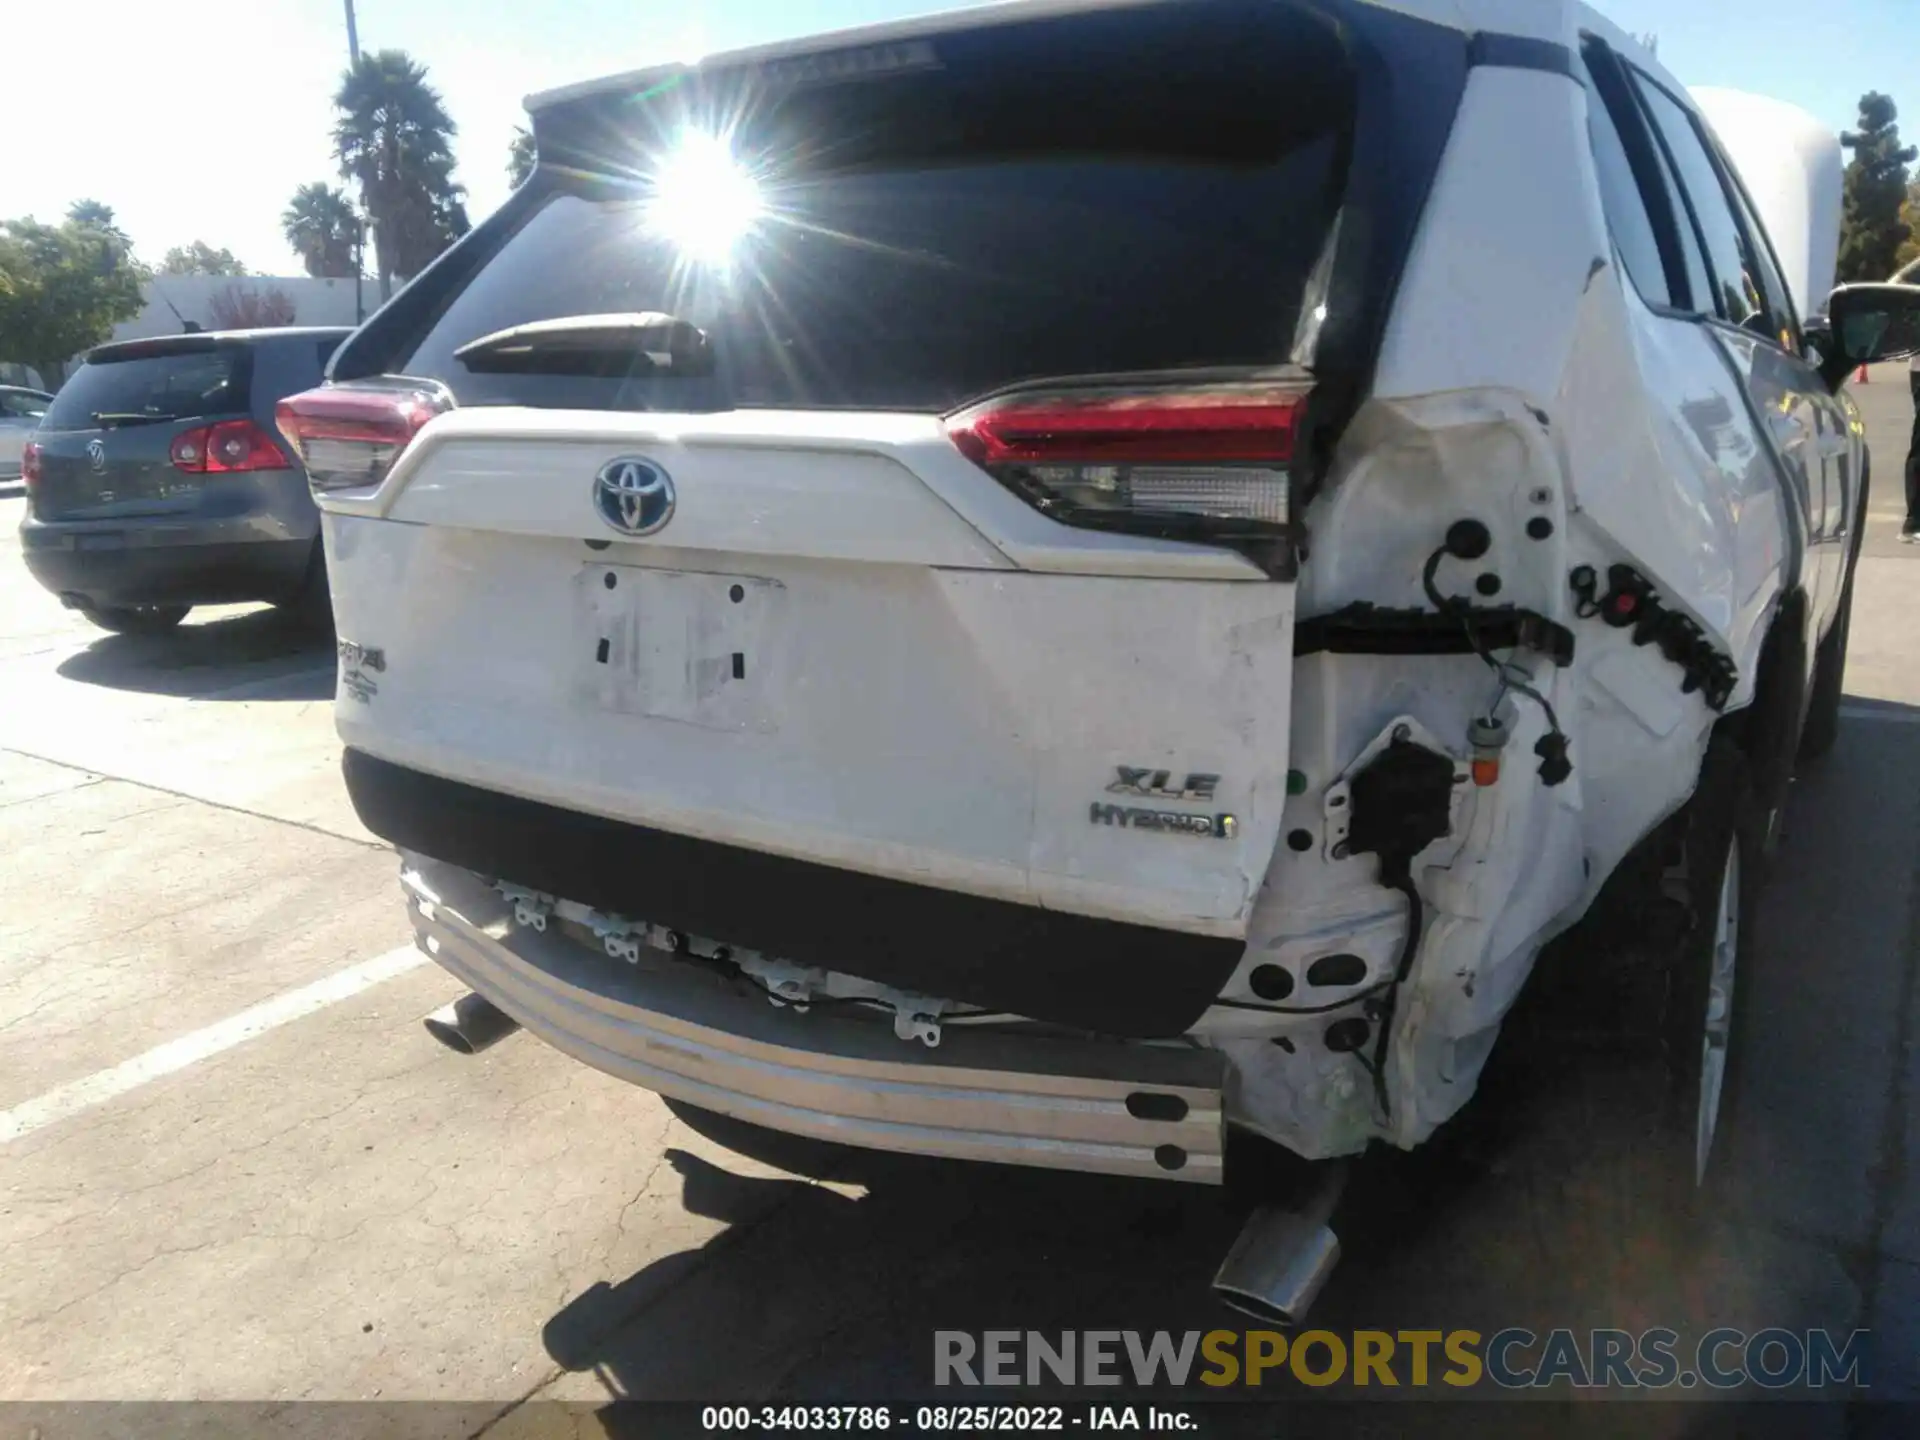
1884,717
198,1045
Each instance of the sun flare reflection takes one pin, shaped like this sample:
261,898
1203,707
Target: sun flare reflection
704,200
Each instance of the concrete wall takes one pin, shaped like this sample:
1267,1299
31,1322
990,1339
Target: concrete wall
315,302
173,299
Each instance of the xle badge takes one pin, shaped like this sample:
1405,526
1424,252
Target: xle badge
1158,785
1155,784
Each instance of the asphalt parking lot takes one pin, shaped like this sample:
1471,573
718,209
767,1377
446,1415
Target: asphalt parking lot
232,1166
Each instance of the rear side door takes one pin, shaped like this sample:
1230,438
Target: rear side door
1837,445
107,442
1750,313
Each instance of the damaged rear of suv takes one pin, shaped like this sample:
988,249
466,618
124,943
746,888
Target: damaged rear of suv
1044,584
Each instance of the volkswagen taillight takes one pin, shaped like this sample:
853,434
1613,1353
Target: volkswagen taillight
30,465
348,436
1195,461
226,448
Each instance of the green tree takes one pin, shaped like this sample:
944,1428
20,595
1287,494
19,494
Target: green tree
321,226
395,138
62,290
99,216
1871,230
1909,250
96,216
520,156
200,258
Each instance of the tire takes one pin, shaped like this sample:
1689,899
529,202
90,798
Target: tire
311,605
1718,873
1822,726
135,619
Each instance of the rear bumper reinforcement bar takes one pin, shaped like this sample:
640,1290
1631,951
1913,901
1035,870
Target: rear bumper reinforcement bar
1124,1108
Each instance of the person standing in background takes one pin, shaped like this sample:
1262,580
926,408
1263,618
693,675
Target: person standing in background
1910,527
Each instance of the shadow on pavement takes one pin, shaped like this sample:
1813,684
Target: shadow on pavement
263,654
1540,1206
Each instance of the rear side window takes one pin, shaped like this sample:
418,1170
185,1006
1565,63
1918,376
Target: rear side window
298,364
152,386
1131,189
1736,296
1625,206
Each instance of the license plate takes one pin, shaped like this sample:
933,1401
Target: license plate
676,644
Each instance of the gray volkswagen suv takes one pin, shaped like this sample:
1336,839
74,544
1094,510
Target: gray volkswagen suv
157,480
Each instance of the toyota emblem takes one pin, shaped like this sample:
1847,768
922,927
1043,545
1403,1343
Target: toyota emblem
634,496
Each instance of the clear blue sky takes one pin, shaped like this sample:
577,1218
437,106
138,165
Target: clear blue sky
197,119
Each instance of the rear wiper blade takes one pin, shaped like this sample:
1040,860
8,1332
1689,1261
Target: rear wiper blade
645,343
129,417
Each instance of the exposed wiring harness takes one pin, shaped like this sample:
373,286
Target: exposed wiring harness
1468,540
1396,873
1331,1005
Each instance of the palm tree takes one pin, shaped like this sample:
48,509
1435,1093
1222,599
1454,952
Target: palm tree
394,137
320,225
521,156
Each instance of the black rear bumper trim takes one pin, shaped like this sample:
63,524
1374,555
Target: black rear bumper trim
1104,976
168,574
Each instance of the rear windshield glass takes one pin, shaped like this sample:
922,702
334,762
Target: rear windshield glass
915,224
153,387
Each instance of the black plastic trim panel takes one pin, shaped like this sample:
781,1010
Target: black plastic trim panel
1364,629
1099,975
1520,52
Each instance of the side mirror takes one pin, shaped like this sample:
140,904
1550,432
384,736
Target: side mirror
1866,323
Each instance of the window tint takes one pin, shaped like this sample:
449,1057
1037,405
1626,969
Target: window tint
1773,286
175,383
1693,256
1736,297
1625,206
22,406
1130,188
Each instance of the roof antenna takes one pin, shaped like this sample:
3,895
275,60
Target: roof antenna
187,327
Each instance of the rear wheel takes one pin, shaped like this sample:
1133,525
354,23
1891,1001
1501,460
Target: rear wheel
1718,869
135,619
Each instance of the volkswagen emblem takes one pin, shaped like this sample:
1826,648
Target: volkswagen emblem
634,496
97,456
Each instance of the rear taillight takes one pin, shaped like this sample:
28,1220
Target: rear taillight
1206,462
348,436
30,464
225,448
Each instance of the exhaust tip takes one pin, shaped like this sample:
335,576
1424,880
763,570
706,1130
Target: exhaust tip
1283,1257
470,1024
1278,1266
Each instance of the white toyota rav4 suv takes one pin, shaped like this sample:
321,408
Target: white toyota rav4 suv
1054,582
